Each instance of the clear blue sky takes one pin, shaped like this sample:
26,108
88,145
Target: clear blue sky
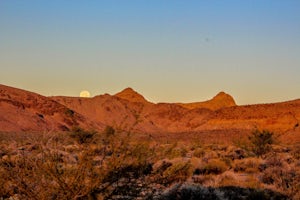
170,50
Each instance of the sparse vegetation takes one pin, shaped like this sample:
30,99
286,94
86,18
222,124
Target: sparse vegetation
114,165
69,112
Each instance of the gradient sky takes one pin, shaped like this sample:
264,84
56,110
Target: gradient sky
168,50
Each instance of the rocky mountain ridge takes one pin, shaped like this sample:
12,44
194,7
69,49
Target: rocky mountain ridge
130,111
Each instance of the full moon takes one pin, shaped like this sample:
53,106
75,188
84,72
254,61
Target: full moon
84,93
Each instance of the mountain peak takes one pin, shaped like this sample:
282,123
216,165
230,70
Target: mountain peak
221,93
131,95
128,90
221,100
224,99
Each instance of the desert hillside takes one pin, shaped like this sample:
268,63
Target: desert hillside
23,111
130,111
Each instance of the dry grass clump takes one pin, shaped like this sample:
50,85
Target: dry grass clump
248,165
213,166
199,152
178,172
228,179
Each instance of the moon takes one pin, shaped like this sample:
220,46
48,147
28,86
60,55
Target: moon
84,93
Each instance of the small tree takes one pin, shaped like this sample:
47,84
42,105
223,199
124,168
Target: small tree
261,141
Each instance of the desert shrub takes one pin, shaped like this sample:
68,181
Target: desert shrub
285,180
129,160
189,192
109,131
261,141
48,176
162,167
198,192
232,192
248,165
173,150
82,136
227,179
176,172
296,151
236,153
128,171
209,154
281,177
213,166
203,179
199,152
53,171
274,161
4,189
177,152
227,161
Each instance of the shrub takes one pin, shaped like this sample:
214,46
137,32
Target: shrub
228,180
248,165
176,172
199,152
194,191
81,135
214,166
49,176
280,177
176,153
109,131
261,141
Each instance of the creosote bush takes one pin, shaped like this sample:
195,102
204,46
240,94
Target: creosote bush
81,135
261,141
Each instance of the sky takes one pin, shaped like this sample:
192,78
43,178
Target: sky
167,50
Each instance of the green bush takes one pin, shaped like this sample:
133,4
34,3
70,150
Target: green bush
261,141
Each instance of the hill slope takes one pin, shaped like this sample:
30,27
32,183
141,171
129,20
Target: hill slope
27,111
129,111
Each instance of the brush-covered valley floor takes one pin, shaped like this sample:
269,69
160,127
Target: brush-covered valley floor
84,164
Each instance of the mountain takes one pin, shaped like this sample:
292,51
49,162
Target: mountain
221,100
130,95
129,111
27,111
